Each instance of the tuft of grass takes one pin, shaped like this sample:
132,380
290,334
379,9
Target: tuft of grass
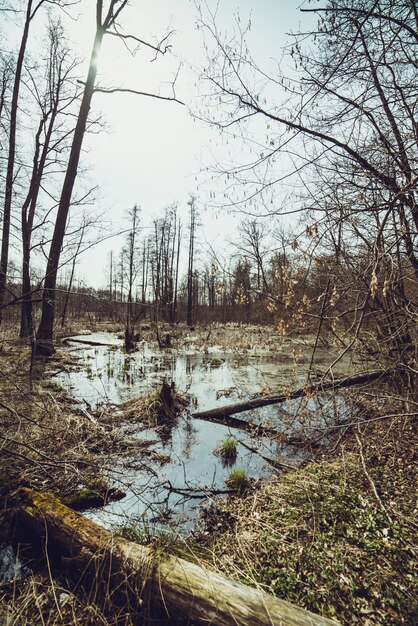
227,450
237,479
165,541
148,408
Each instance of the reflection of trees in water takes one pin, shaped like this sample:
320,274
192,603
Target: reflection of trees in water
165,426
190,364
189,439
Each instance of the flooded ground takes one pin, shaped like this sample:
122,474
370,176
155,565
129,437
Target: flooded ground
172,490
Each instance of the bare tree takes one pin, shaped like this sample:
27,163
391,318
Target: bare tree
132,257
58,96
190,282
347,125
106,23
6,73
31,10
251,243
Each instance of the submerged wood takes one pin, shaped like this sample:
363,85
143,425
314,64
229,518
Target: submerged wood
185,592
219,414
260,430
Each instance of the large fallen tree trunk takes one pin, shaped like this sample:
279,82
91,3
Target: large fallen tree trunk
220,413
186,592
89,342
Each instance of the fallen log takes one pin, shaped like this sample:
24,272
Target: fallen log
186,592
257,430
89,342
220,413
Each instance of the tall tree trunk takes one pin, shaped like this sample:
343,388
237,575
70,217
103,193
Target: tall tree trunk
129,327
145,263
27,218
111,276
190,265
177,273
56,80
4,254
44,338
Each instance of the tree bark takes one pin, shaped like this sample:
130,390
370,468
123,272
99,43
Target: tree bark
44,337
222,412
179,591
29,207
5,241
190,293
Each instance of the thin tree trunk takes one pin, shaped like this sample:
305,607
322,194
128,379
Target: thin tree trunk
27,328
111,275
44,336
177,273
4,255
190,265
70,284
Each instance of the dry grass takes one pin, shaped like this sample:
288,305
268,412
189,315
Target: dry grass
149,409
40,600
46,441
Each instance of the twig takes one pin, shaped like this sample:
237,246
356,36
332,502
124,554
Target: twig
273,462
370,479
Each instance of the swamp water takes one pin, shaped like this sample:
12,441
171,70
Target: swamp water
170,493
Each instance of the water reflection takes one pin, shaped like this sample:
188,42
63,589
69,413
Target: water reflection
109,375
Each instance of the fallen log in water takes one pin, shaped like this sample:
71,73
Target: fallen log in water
258,430
220,413
186,592
87,342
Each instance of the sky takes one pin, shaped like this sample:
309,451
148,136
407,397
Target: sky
153,153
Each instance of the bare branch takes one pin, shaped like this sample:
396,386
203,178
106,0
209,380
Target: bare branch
138,93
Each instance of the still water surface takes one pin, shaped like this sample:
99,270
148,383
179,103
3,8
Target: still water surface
107,375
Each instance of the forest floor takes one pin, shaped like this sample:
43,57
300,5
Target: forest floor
337,536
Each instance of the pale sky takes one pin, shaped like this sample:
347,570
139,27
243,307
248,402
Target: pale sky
152,152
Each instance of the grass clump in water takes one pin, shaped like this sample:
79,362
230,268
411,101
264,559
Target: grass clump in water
162,405
227,450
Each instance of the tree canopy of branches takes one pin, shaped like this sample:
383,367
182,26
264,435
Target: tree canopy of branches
40,96
346,124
